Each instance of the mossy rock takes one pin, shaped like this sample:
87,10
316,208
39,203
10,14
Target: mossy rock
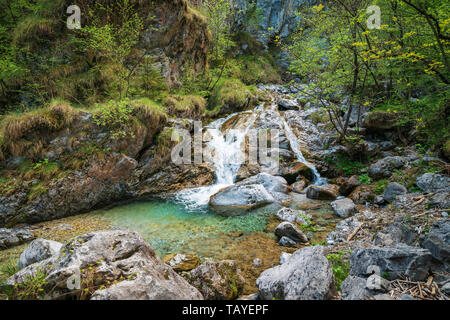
182,262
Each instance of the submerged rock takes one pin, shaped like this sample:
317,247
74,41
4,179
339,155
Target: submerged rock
344,207
182,262
217,280
306,275
38,250
238,199
14,237
108,257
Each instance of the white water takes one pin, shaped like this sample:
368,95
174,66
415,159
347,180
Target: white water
227,157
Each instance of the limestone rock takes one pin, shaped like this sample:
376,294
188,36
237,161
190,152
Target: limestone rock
287,229
38,250
343,208
182,262
307,275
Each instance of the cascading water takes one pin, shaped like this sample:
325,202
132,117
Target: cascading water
227,148
293,140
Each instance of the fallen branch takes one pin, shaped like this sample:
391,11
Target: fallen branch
350,237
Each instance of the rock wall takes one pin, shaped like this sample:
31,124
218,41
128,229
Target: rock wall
277,14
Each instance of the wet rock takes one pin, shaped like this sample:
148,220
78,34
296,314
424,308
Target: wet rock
294,216
343,208
217,280
287,229
307,275
432,182
271,183
437,241
116,255
299,186
395,233
393,190
14,237
182,262
355,288
343,230
291,172
384,168
38,250
328,192
397,261
238,199
346,186
446,288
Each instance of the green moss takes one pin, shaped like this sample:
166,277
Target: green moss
185,106
230,96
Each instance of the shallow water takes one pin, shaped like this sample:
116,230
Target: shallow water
170,228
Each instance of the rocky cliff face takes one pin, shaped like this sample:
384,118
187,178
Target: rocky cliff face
277,14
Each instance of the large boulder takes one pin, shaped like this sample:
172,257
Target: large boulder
344,207
238,199
397,232
277,186
432,182
393,190
384,168
397,261
287,229
328,192
38,250
438,240
217,280
306,275
14,237
121,261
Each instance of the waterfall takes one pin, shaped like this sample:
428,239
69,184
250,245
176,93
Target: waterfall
227,152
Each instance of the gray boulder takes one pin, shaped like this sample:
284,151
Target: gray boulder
440,199
438,240
287,229
285,257
396,261
432,182
294,216
384,168
14,237
276,186
38,250
307,275
355,288
344,207
108,257
217,280
238,199
393,190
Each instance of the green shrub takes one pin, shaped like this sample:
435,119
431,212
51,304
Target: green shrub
340,267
